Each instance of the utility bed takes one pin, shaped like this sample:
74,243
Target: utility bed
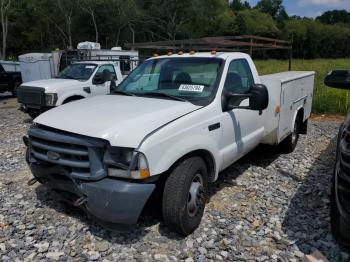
288,92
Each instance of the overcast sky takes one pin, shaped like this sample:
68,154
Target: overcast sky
311,8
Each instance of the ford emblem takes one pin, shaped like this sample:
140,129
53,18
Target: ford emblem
52,155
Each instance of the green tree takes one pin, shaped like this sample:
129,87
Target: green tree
238,5
334,17
272,7
256,23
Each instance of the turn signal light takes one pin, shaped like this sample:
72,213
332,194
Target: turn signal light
277,109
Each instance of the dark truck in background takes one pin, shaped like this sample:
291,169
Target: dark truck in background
340,193
9,81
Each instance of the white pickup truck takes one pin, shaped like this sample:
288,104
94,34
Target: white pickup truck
77,81
168,130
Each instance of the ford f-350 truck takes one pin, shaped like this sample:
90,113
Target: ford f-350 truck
168,129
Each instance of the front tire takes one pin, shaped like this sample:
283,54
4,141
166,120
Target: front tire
185,195
340,229
290,142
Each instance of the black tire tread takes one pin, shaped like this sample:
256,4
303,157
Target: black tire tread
287,145
173,194
339,228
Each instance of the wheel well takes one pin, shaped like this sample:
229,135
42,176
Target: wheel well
300,115
208,159
72,98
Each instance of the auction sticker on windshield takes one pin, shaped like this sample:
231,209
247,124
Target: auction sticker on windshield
191,88
89,67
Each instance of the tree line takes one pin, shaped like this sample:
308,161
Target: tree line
44,25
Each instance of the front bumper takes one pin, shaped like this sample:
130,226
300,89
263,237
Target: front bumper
79,177
109,200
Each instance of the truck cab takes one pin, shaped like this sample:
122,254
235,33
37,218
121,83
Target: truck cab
168,130
77,81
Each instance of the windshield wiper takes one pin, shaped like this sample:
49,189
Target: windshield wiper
121,92
165,95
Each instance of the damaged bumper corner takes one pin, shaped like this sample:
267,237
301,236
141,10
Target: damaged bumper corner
109,201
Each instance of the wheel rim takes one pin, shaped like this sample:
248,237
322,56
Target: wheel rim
195,196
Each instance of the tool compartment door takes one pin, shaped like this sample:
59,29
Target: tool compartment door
295,94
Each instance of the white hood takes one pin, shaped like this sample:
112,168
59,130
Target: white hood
52,84
122,120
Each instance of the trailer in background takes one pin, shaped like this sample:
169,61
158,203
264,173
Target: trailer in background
37,66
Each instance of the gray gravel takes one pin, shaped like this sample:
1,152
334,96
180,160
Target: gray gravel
266,207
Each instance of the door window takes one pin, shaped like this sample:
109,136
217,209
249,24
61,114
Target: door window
239,78
108,72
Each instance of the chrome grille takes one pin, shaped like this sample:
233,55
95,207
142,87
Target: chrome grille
68,155
80,156
31,95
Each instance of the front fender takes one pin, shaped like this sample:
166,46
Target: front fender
164,155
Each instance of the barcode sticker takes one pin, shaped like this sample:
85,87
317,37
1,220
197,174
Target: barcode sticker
191,88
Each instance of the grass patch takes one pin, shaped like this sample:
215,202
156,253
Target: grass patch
326,100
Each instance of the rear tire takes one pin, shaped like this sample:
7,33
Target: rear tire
290,142
185,195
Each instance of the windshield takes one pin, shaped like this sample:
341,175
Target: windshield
78,71
188,79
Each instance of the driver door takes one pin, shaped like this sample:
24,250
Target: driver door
101,81
242,128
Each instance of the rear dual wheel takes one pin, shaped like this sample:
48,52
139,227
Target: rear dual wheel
185,195
290,142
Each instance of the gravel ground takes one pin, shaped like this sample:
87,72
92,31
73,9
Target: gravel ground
266,207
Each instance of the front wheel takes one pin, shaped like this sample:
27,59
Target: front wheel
185,195
290,142
340,229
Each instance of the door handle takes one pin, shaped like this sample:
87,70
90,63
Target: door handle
214,127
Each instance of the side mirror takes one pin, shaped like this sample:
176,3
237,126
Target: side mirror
258,96
338,79
98,79
259,99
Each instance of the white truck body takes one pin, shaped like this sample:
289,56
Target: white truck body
63,89
66,88
242,130
166,131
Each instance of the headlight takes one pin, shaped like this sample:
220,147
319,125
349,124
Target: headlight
50,99
126,163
